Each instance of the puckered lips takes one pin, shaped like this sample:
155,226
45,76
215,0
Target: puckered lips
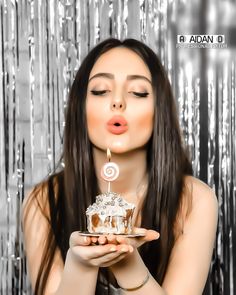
117,125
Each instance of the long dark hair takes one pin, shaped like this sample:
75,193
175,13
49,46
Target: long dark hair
73,189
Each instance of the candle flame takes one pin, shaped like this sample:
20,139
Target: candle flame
108,154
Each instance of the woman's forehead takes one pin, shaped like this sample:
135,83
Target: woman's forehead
120,60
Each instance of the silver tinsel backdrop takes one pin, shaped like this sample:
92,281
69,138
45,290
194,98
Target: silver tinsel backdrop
42,44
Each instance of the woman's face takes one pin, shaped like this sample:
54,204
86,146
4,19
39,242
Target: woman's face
120,103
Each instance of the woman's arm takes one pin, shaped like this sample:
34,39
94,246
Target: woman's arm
191,255
70,278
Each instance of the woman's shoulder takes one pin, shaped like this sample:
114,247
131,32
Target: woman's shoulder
200,192
201,200
198,199
38,196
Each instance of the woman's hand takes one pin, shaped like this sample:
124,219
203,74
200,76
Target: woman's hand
146,235
97,251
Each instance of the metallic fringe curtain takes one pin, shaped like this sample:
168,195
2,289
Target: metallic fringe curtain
42,45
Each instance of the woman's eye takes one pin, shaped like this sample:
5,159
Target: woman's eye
99,92
140,94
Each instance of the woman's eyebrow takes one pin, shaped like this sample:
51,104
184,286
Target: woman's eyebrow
112,77
134,77
106,75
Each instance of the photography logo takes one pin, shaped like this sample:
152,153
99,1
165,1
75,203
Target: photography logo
201,41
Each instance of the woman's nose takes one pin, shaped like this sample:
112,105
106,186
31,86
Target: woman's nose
118,104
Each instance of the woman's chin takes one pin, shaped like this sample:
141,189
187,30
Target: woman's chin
118,147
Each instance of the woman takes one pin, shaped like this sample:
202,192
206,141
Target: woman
176,212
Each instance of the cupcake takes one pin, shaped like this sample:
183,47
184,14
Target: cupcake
110,214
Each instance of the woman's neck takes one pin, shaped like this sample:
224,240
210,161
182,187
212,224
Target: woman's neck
132,180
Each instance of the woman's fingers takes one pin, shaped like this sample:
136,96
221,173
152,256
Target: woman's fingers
113,261
98,251
139,230
146,235
112,239
100,255
77,239
94,240
102,239
92,252
111,258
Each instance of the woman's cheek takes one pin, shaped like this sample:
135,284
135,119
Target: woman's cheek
93,120
145,123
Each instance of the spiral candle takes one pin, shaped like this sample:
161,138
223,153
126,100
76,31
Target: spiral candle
110,171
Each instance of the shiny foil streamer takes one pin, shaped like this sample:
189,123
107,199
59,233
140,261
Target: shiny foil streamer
42,46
